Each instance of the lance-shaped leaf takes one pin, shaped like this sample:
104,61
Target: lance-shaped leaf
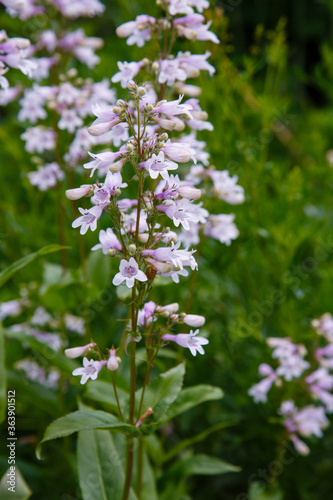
85,420
201,464
188,398
162,391
21,490
7,273
101,470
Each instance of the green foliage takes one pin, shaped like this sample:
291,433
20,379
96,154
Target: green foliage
85,420
21,490
3,378
7,273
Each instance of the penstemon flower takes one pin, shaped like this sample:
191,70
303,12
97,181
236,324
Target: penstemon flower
294,373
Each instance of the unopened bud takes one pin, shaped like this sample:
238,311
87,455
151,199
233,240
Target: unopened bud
194,320
145,61
72,73
155,66
129,147
118,192
141,91
132,86
112,252
149,108
132,247
75,352
164,137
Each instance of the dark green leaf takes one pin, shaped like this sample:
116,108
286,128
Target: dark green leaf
85,420
3,394
7,273
22,490
162,391
100,468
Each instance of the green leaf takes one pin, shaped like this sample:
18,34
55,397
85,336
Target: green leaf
7,273
103,393
258,492
162,391
100,467
186,443
202,465
85,420
190,397
3,393
22,490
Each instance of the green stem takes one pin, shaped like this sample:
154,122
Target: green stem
130,440
140,469
116,394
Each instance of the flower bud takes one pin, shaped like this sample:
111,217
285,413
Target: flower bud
77,193
75,352
132,247
149,108
141,91
116,110
112,252
189,192
169,309
194,320
118,192
162,267
72,73
155,66
164,137
132,86
129,147
113,361
143,237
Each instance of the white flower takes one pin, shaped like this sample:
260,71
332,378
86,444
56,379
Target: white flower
88,219
129,271
189,340
90,370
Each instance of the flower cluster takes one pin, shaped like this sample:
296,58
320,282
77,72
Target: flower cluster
45,328
14,53
148,321
55,112
316,380
156,156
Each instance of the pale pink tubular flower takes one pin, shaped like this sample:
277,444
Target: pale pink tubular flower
179,152
77,193
259,391
106,119
127,72
173,108
101,160
194,320
108,241
90,369
129,271
88,219
188,340
76,352
158,165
